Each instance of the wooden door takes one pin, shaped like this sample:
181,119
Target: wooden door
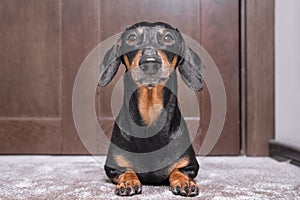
44,43
30,77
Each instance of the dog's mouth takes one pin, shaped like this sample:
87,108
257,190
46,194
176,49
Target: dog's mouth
149,81
150,60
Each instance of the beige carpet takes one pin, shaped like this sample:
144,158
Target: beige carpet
81,177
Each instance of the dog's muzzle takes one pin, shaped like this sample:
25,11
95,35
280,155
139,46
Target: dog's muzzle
150,72
150,65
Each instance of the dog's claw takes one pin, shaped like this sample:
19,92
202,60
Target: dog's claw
186,189
193,189
176,190
117,191
137,189
122,190
128,191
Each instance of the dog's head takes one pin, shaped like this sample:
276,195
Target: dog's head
151,52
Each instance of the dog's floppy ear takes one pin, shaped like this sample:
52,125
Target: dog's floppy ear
109,66
191,69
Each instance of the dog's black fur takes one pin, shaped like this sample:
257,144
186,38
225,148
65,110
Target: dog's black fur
131,133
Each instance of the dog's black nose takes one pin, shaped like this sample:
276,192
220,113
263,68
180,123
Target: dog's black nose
150,68
149,52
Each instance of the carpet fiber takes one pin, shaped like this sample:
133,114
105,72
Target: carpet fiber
83,177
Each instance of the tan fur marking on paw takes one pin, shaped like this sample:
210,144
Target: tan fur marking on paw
180,164
122,162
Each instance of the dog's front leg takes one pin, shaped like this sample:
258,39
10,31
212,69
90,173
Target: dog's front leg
128,184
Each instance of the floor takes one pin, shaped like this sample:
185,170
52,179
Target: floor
83,177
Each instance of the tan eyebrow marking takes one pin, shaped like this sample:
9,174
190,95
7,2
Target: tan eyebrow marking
161,31
140,30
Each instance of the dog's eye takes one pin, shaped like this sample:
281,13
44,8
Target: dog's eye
132,39
168,39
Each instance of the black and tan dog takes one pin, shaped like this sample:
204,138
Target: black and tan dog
150,142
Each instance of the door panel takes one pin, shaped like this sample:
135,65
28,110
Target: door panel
80,34
30,70
30,79
30,136
220,37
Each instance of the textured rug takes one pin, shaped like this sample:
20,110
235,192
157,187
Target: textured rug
82,177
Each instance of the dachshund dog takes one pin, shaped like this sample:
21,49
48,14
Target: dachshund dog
150,142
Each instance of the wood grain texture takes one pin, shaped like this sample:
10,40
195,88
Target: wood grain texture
80,34
185,15
260,75
220,38
30,68
30,136
30,91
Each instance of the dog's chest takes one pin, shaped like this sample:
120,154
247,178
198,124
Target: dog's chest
150,103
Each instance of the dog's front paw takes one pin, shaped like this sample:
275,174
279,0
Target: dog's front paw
185,188
129,188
